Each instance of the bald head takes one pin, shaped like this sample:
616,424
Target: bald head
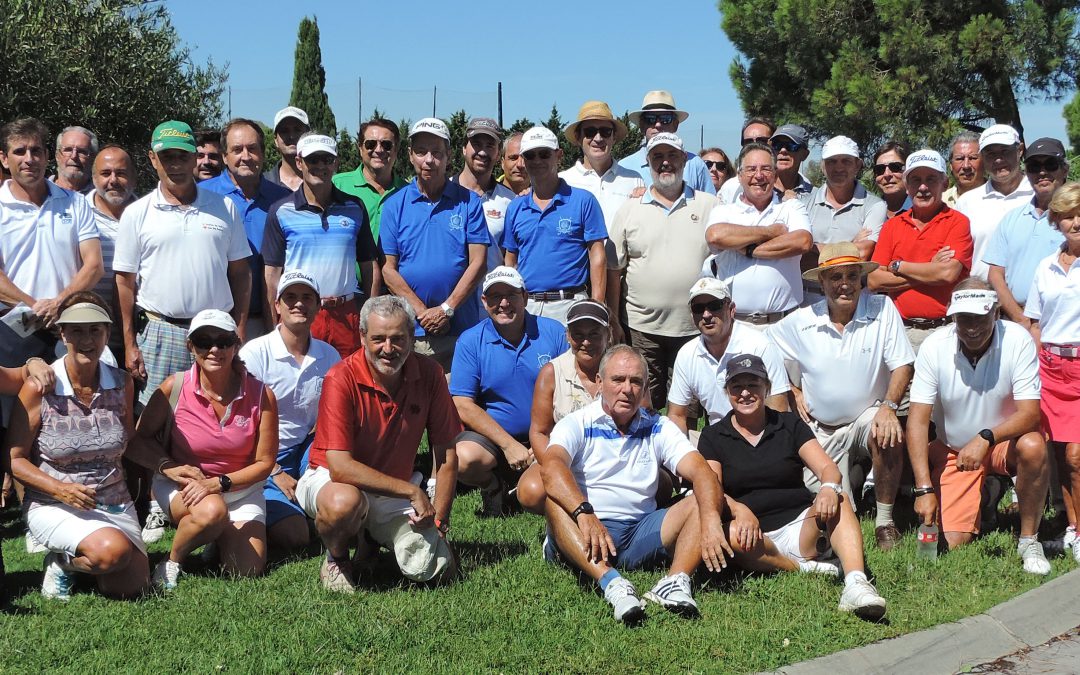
114,176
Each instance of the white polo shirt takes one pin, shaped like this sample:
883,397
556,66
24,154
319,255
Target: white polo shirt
297,386
611,189
108,227
619,474
985,207
872,345
698,376
39,245
1054,301
967,400
758,285
181,254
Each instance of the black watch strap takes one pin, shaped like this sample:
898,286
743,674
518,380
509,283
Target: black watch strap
585,507
225,482
989,436
922,491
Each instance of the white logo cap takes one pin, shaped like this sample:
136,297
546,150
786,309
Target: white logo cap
503,275
212,317
430,125
293,112
973,301
924,157
710,286
664,138
839,145
296,277
998,134
312,143
539,137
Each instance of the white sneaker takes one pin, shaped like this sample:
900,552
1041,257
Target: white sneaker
1075,546
156,521
1034,558
817,567
33,545
1069,537
622,595
167,574
862,598
56,583
673,593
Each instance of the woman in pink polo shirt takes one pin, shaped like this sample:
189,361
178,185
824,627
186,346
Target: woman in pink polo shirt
220,431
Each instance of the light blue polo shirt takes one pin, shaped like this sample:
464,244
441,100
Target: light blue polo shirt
500,376
695,173
431,241
253,211
1021,241
553,244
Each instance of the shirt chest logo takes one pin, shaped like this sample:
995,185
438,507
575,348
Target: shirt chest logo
213,227
493,213
346,223
543,359
65,218
564,227
457,222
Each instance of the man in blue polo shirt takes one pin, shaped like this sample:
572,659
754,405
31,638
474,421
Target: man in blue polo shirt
555,234
435,238
243,183
322,230
495,367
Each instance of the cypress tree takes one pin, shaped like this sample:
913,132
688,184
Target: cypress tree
309,80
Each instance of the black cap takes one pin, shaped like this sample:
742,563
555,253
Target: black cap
1045,147
587,309
746,363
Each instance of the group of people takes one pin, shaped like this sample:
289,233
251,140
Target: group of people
254,355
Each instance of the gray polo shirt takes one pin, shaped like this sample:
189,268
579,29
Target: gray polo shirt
831,226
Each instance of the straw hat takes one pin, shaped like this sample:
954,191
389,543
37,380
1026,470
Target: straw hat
837,255
658,101
594,110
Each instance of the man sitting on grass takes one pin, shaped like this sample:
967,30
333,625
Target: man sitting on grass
601,472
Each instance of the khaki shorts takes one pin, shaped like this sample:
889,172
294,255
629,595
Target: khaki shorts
421,554
841,445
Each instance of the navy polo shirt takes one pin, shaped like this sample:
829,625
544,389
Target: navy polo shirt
254,212
553,244
500,376
431,241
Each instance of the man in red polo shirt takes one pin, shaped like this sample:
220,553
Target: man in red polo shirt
375,407
924,252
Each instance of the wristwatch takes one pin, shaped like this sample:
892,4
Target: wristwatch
922,490
989,436
890,404
835,487
448,311
225,482
585,507
894,267
750,250
443,526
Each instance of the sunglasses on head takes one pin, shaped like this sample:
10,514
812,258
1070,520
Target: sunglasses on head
590,132
530,155
370,144
205,342
714,306
895,167
1036,166
652,118
791,146
719,165
764,140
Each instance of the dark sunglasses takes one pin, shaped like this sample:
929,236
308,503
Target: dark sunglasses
714,307
530,155
790,146
764,140
370,144
1049,165
719,165
895,167
652,118
590,132
319,158
205,342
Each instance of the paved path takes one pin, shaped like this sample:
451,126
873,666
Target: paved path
1060,655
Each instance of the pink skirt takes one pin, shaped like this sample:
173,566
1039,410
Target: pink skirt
1060,406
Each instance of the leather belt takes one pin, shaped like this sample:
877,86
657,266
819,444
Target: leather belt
927,324
182,323
551,296
762,318
338,300
1067,351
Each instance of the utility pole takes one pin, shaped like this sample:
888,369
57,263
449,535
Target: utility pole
434,98
500,107
359,101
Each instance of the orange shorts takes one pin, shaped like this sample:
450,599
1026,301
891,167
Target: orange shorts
340,326
959,493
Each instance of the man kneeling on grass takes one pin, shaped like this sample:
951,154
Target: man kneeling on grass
375,407
601,471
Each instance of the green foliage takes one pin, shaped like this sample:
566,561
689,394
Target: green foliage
270,151
309,80
522,125
1071,113
556,124
899,68
632,142
457,124
348,151
116,67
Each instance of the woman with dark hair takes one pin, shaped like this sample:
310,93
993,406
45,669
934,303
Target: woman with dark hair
719,166
888,169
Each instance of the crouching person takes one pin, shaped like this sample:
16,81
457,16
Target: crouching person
601,472
375,407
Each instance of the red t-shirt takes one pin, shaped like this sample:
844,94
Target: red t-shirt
382,431
901,240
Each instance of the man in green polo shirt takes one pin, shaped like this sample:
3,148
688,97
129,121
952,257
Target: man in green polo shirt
374,180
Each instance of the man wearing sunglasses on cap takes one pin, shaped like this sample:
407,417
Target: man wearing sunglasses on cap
1024,237
659,114
374,180
1008,188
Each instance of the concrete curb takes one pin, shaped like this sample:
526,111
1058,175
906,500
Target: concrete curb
1027,620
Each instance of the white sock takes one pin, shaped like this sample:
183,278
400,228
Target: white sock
884,515
852,577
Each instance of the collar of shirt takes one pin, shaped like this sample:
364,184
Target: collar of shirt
857,198
685,198
90,199
198,390
63,383
157,200
990,192
609,175
906,217
300,201
747,207
492,336
772,423
561,196
279,352
862,312
414,195
640,425
455,179
54,192
360,370
358,179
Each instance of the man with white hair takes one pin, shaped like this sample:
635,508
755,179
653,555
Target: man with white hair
1007,188
76,148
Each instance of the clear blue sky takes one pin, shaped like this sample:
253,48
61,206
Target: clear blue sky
553,52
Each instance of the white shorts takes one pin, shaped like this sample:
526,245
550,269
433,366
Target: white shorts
62,528
244,505
421,554
841,445
786,538
553,309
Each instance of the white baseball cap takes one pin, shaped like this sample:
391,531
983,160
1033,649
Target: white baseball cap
312,143
710,286
430,125
664,138
293,112
839,145
539,137
503,275
998,134
972,301
212,317
296,277
924,157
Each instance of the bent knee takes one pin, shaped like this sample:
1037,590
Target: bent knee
1032,447
210,512
531,493
109,552
338,502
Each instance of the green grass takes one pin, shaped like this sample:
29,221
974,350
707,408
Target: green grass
512,612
